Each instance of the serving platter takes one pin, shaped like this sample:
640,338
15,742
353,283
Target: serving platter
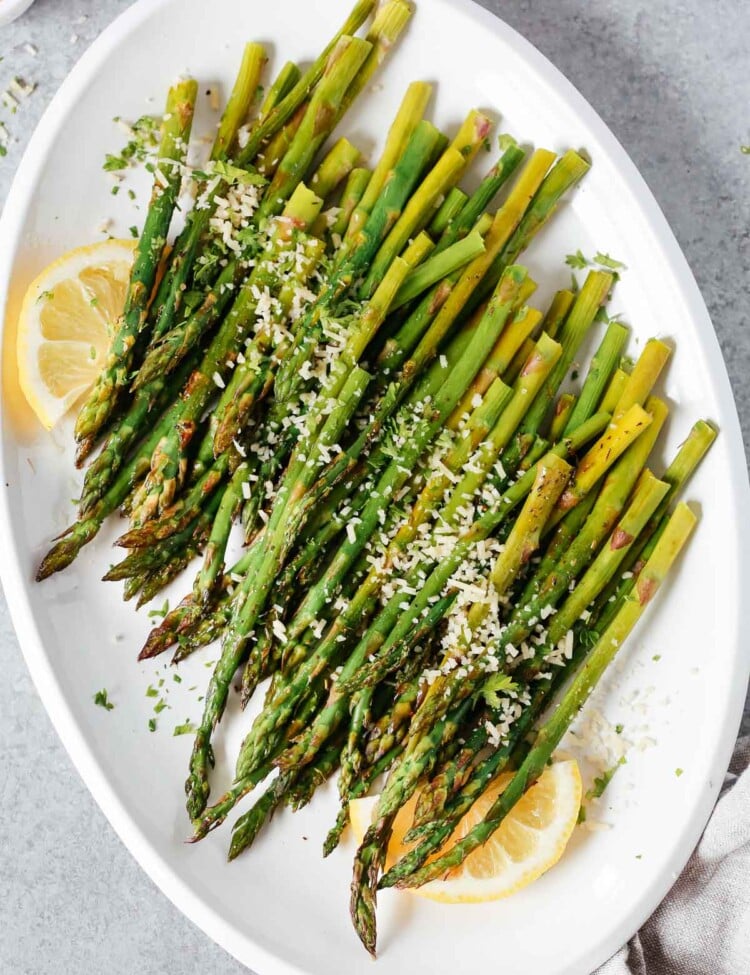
680,683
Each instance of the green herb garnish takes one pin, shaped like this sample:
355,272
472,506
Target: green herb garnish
102,700
602,781
577,261
184,729
159,613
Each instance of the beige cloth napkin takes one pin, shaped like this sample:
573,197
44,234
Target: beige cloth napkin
702,927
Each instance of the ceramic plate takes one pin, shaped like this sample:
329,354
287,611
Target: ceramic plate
680,683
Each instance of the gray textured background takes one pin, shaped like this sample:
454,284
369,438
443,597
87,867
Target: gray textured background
671,79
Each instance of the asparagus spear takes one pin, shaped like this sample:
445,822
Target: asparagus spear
356,186
345,61
409,114
681,469
87,527
569,170
445,174
101,402
168,301
454,202
564,407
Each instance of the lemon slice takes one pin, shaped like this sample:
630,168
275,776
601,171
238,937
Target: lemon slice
529,841
67,319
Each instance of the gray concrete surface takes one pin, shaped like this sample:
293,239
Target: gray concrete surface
670,78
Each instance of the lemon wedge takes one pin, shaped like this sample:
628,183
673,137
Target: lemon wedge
530,840
68,316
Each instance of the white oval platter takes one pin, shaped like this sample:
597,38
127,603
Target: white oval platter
282,908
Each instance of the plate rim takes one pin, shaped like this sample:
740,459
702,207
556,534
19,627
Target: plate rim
241,945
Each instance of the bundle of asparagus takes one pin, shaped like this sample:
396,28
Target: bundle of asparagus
439,533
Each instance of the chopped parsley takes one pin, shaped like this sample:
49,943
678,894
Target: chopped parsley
577,261
159,613
152,724
602,781
234,174
604,260
600,260
102,700
144,139
496,685
589,638
183,729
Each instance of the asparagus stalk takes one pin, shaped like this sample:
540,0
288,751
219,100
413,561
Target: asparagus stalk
345,61
335,168
564,407
400,133
454,202
240,99
447,171
356,186
278,114
614,390
101,402
569,170
642,379
603,365
688,457
87,527
387,26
